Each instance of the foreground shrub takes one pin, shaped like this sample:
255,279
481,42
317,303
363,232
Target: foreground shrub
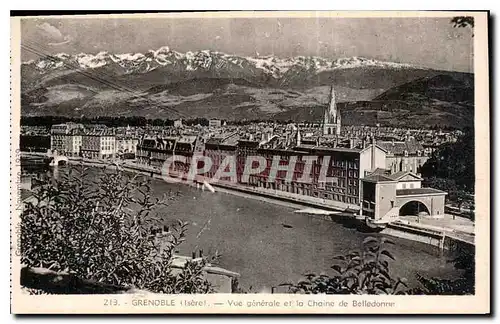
368,272
365,272
106,231
465,261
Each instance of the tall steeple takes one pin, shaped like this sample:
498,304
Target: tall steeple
331,122
298,138
333,106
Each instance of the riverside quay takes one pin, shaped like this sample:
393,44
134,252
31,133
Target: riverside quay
353,181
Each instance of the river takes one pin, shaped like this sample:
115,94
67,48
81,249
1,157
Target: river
252,240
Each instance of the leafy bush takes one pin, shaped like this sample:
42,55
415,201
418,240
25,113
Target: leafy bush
462,286
106,231
368,272
365,272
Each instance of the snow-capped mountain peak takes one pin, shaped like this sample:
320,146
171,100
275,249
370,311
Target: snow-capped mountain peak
164,56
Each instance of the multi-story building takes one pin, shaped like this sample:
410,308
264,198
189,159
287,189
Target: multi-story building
34,143
342,168
74,143
153,152
178,123
214,123
99,144
66,139
126,145
408,155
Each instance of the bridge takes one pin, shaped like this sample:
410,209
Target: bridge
56,159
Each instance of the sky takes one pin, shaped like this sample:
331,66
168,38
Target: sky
427,42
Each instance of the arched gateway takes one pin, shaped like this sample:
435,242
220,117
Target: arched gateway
414,208
386,197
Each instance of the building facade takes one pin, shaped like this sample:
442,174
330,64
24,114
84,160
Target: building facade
99,144
126,145
178,123
214,123
387,197
404,156
334,175
66,139
349,179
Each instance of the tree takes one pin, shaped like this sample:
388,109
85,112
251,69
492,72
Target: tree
463,21
456,193
106,231
454,161
365,272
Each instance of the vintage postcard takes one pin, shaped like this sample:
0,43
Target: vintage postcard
251,162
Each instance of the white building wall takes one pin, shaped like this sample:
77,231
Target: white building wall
409,184
107,146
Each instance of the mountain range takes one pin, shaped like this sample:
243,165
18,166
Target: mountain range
168,84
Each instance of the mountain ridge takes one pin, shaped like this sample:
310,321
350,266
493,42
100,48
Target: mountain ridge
165,56
162,83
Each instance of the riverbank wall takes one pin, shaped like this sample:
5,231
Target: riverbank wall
443,241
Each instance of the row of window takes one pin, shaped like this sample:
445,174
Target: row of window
309,192
333,162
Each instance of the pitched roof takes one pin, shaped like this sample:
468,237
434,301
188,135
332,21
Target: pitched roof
418,191
399,148
188,139
401,174
99,132
328,149
377,178
381,171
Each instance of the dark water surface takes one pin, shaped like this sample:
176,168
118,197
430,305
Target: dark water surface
250,236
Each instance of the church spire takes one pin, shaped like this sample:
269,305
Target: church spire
331,122
298,139
333,106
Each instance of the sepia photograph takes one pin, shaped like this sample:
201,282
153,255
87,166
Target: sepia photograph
272,155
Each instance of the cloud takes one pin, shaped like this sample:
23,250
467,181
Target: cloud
50,30
67,39
53,35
